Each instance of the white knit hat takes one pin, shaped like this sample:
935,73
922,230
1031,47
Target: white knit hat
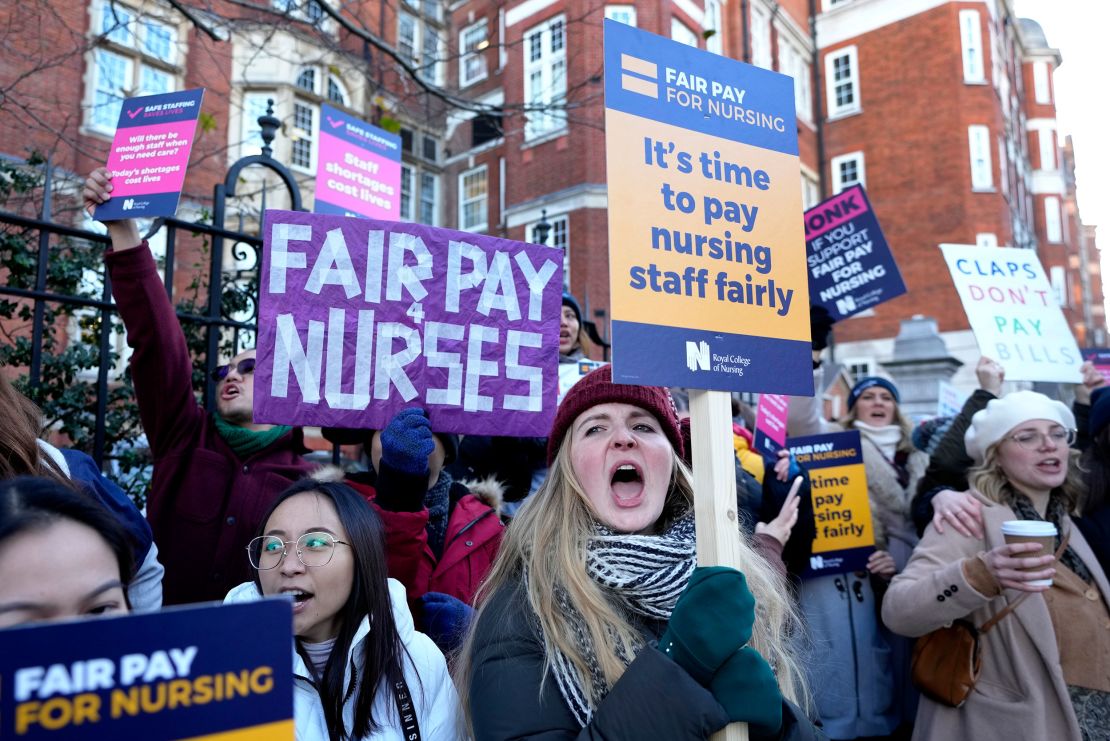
990,425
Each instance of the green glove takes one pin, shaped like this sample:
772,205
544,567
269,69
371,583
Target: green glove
748,691
712,620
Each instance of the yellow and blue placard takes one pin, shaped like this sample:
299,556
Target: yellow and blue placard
208,672
841,509
707,257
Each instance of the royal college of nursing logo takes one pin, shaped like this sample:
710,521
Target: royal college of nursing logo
128,204
697,356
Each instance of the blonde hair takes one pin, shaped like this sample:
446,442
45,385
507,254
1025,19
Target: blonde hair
548,540
991,481
905,443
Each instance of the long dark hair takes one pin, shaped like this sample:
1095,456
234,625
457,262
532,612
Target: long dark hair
35,502
383,652
1095,465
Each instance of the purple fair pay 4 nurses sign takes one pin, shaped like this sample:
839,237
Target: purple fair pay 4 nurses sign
359,319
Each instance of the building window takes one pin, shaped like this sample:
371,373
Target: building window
1059,280
761,38
1046,138
858,368
406,193
473,200
713,27
303,135
625,14
304,10
472,42
306,80
847,170
429,187
793,62
842,73
558,237
545,77
406,37
979,144
971,39
1003,167
1053,230
336,92
1040,83
681,33
485,127
254,106
811,192
135,56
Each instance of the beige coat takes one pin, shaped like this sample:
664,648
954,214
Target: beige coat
1021,692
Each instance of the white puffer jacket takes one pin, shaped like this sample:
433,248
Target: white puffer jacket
433,694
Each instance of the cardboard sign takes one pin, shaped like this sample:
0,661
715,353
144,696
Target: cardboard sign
359,319
1100,357
572,373
358,168
851,268
708,281
206,672
841,510
770,425
1013,311
149,154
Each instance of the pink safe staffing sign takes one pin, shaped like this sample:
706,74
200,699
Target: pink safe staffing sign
358,168
150,153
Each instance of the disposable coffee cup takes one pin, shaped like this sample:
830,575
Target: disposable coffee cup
1032,531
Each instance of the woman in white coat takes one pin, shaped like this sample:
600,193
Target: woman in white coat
361,671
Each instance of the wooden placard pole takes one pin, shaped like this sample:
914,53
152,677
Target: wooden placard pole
715,515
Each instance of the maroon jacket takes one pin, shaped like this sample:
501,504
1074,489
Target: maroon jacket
474,534
204,503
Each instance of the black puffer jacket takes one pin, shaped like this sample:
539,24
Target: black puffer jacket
654,698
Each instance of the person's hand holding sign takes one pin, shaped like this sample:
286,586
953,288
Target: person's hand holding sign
1092,379
990,375
97,190
781,527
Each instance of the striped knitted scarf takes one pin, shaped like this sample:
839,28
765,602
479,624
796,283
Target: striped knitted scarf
643,574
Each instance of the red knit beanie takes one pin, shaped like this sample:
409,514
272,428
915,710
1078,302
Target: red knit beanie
597,387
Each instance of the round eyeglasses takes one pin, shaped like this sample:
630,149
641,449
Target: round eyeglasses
313,550
1032,439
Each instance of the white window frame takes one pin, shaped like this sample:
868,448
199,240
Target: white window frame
836,163
971,45
408,177
866,366
811,191
1042,93
129,42
550,70
682,33
760,32
1053,222
713,20
471,49
792,62
852,81
483,198
299,133
253,106
423,191
979,143
560,225
1003,166
411,55
1046,141
625,14
1058,279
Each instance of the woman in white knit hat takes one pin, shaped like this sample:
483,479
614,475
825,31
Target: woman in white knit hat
1046,665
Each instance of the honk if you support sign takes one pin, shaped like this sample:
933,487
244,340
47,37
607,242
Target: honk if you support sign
707,257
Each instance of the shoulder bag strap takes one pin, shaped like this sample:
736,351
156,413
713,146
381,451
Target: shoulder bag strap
1010,607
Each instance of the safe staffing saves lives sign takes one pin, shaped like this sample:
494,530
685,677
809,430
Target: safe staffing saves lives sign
707,262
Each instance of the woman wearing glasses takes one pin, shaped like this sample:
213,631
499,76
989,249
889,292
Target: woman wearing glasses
361,671
1045,667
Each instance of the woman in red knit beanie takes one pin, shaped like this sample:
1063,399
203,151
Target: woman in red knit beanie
595,620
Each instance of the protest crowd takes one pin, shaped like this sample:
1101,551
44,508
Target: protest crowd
508,587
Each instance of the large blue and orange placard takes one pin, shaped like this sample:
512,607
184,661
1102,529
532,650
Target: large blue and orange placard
841,510
206,672
707,261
